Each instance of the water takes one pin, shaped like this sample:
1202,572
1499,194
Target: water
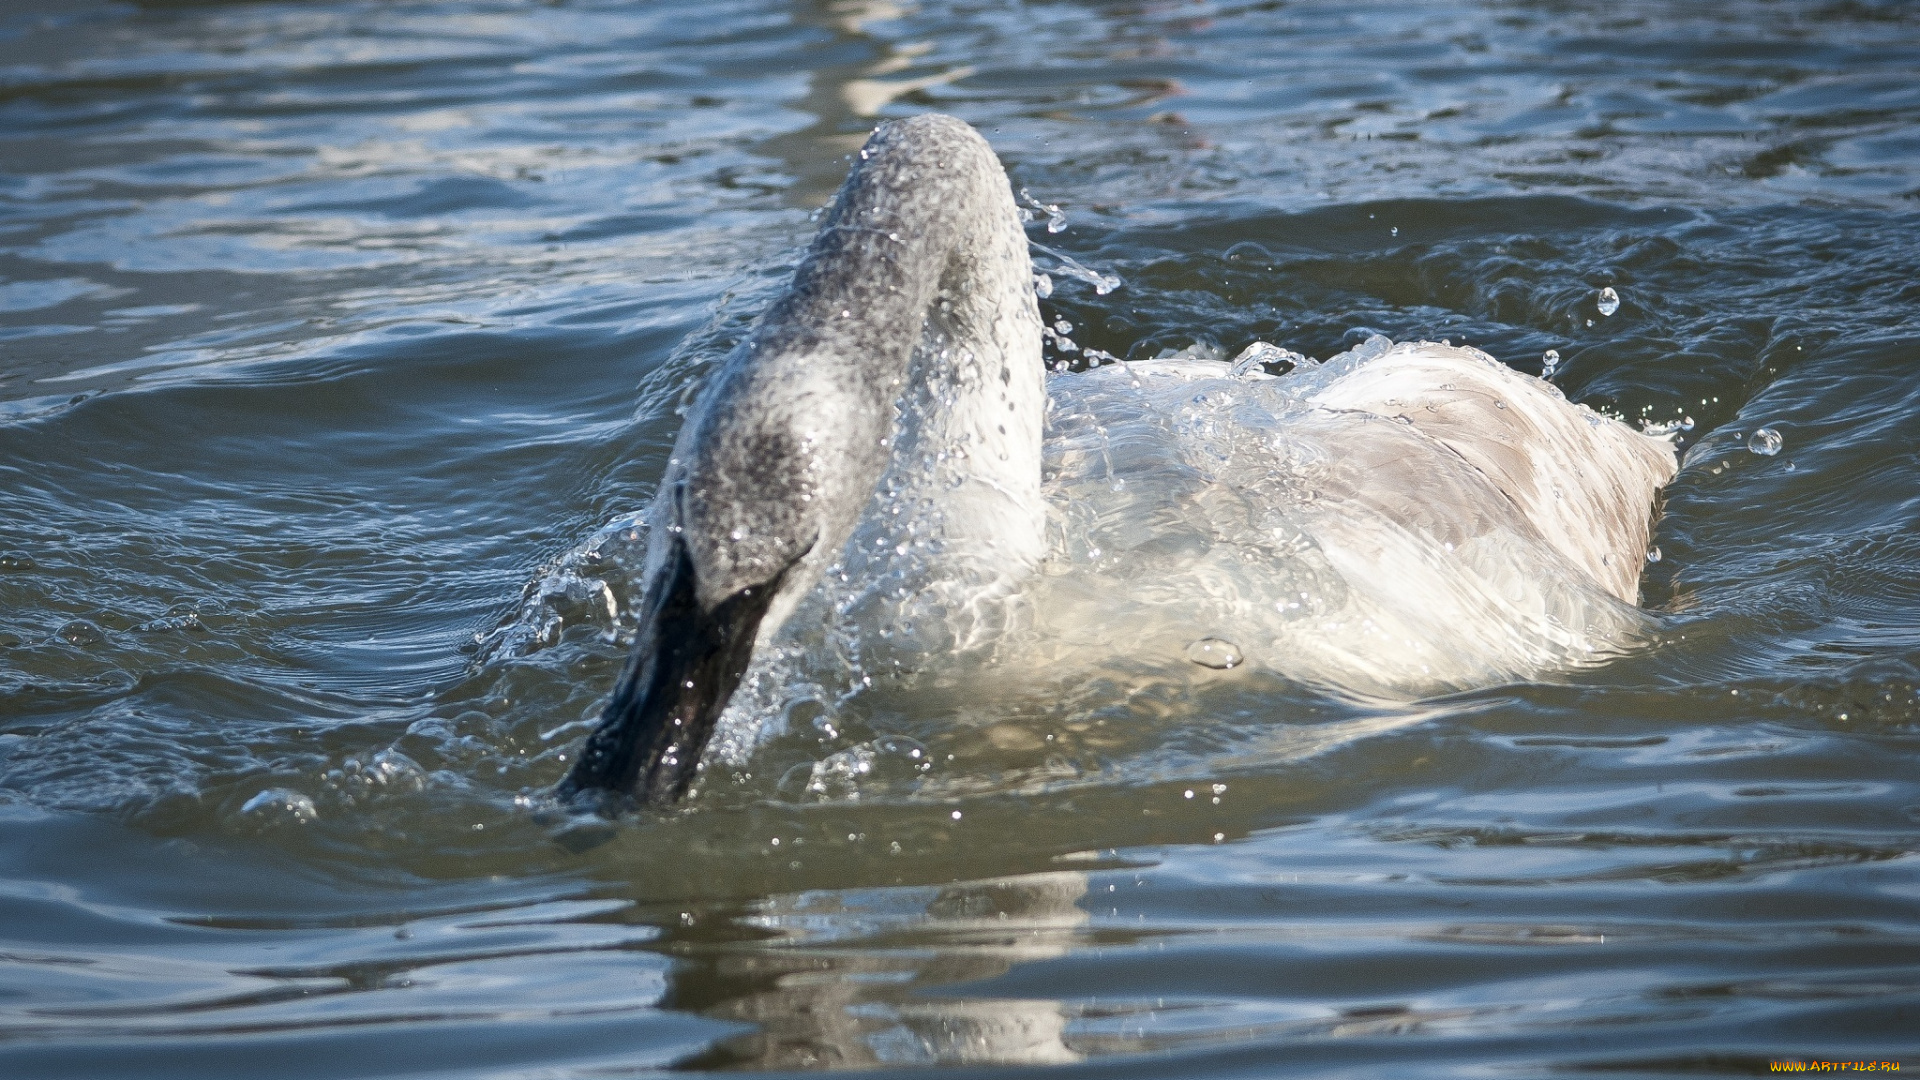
342,341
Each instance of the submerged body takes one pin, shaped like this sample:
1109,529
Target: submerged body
1401,520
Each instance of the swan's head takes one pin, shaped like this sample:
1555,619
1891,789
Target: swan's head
766,482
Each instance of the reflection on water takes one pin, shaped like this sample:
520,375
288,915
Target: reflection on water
340,343
857,76
818,1007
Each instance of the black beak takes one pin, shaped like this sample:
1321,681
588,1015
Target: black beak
685,666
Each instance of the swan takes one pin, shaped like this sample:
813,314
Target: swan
1437,520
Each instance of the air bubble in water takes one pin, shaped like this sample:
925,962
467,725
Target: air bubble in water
1213,652
1549,363
81,632
838,776
907,749
1609,301
1765,442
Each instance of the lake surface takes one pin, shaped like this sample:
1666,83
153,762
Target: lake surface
340,343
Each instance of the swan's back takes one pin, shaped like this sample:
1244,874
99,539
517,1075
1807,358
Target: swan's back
1585,482
1399,522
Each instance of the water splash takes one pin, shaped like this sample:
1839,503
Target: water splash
1065,266
1261,356
583,586
1056,217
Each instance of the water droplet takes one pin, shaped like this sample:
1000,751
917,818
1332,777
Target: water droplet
1211,652
1042,286
1056,217
1395,231
1653,554
1549,363
1062,326
1609,301
1765,442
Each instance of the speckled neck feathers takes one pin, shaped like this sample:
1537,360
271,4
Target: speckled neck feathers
788,444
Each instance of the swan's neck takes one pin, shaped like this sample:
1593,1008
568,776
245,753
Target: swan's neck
917,294
972,417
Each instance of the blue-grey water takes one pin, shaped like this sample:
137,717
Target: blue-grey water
339,341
